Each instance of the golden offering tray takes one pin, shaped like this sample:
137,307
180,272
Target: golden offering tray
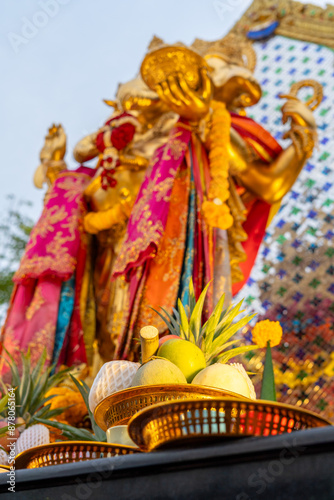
66,452
118,408
168,425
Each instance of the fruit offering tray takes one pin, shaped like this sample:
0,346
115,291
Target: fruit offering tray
179,423
66,452
118,408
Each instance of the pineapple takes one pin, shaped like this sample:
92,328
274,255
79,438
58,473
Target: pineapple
35,435
214,339
36,397
31,401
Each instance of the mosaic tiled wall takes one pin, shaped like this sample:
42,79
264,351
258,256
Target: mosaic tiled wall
293,279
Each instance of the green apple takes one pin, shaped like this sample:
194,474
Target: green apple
184,354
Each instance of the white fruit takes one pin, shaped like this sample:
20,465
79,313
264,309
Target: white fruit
158,371
223,376
33,436
243,372
3,457
114,376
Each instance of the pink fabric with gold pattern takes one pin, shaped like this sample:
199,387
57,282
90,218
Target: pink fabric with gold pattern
50,258
149,215
54,241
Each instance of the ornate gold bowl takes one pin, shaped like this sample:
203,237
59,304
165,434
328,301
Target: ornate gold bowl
66,452
182,422
118,408
170,60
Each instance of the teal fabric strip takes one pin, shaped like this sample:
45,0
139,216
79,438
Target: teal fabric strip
188,263
66,305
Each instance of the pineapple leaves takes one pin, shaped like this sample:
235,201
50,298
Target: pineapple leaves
223,358
24,389
83,388
45,412
213,338
32,386
172,324
224,335
188,335
192,298
39,366
214,356
3,432
3,403
69,431
195,321
212,323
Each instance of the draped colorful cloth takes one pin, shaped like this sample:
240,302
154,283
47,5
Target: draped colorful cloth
258,211
149,215
168,241
53,253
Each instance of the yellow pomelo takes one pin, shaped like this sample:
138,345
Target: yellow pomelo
158,371
225,377
184,354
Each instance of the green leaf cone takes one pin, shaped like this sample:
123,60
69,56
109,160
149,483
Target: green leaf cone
268,390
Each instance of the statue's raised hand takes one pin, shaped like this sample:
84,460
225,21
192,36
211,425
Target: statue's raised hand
303,129
299,113
186,102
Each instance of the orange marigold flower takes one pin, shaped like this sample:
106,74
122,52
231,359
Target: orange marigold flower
217,215
267,331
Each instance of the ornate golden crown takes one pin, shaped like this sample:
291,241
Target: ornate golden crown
165,60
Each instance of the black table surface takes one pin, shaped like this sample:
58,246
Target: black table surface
292,466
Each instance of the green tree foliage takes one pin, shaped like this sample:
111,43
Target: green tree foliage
15,227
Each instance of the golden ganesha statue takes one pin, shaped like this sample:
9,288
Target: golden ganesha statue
184,187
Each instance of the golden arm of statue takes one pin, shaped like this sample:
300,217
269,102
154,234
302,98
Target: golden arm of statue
86,149
51,156
272,182
94,222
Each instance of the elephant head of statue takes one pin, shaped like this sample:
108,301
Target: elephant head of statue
231,61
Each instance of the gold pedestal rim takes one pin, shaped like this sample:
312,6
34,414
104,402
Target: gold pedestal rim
26,457
165,424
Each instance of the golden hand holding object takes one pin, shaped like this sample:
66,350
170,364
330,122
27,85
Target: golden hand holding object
303,125
180,78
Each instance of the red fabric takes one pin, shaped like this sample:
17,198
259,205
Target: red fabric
249,129
100,142
255,227
258,211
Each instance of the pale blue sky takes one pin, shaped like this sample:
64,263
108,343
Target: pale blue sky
80,50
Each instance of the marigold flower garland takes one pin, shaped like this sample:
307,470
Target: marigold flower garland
215,209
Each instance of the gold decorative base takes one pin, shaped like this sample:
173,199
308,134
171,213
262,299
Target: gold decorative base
169,425
66,452
118,408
